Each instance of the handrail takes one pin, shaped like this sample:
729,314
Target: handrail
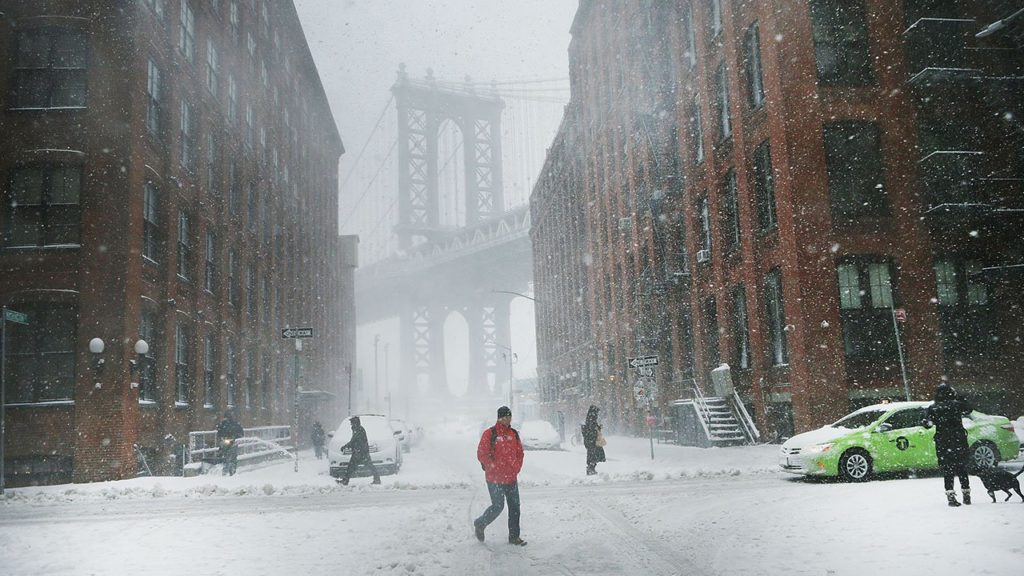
703,414
256,441
749,428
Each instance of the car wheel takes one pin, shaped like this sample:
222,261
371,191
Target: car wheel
855,465
984,455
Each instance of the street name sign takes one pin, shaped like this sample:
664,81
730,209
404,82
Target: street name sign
297,333
641,361
18,317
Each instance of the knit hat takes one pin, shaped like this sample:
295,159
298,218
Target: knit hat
504,411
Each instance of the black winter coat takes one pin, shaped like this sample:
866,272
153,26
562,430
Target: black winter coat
230,430
950,436
590,430
359,444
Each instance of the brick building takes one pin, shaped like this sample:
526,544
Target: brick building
769,185
169,174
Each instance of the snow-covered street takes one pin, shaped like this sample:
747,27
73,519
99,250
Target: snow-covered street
690,511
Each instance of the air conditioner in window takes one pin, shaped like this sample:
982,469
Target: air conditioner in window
625,223
703,256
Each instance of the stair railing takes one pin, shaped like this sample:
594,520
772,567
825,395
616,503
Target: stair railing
703,413
746,422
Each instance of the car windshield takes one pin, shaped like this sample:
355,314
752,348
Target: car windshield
859,419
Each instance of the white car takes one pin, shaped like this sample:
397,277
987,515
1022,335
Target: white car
539,435
404,433
385,447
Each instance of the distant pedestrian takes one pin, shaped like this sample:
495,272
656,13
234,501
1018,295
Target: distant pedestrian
500,453
318,436
593,440
360,452
228,433
946,414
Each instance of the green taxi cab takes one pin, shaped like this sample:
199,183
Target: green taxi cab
890,438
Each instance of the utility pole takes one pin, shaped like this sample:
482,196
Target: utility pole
376,371
295,403
348,370
387,380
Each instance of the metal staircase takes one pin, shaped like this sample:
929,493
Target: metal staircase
724,420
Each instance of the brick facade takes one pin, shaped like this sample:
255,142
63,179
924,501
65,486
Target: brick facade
893,182
206,160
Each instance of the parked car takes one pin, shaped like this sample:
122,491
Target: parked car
888,438
385,447
539,435
404,433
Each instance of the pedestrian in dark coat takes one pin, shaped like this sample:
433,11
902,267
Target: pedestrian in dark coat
318,436
500,453
593,440
228,433
360,452
946,414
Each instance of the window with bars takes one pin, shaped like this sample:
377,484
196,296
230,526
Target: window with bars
150,223
187,32
43,206
181,364
764,187
865,303
752,65
776,317
40,356
184,246
50,66
154,109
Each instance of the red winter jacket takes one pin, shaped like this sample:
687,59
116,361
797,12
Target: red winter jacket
503,463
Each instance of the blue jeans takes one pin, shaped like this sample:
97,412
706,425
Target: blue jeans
499,493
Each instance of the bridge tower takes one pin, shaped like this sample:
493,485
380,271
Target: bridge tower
423,107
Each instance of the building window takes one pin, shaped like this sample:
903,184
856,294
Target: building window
150,224
704,214
865,303
250,376
234,20
232,278
711,337
716,17
249,126
741,332
147,374
724,121
209,376
212,164
188,147
50,69
690,35
212,67
731,213
250,292
841,42
235,192
752,64
43,208
181,364
965,314
698,133
776,313
252,205
250,44
230,376
41,356
211,262
184,246
764,187
153,108
854,162
232,100
157,6
265,289
187,35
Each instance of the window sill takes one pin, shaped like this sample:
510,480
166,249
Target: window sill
147,403
149,261
46,108
41,404
180,405
44,247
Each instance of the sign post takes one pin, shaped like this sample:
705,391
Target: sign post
646,389
19,318
296,334
900,315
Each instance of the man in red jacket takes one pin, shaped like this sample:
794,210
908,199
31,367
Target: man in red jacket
500,453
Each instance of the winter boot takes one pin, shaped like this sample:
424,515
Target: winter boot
967,496
376,480
951,498
591,470
479,531
344,481
517,541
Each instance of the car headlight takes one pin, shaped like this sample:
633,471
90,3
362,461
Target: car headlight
819,448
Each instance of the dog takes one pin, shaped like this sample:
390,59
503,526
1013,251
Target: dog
995,478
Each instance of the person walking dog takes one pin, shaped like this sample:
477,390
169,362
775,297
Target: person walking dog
946,414
500,453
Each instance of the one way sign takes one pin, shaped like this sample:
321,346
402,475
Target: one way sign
641,361
297,333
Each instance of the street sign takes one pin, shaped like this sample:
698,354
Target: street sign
640,393
17,317
901,315
642,361
651,420
645,371
297,333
